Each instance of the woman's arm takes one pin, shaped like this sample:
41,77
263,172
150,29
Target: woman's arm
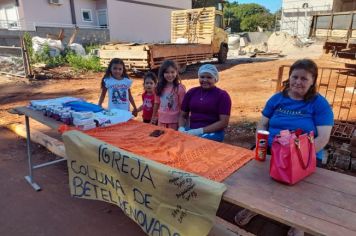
218,125
323,137
183,117
263,124
102,96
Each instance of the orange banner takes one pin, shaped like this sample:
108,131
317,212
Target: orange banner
210,159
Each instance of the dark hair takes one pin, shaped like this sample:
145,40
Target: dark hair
150,75
309,66
162,81
108,70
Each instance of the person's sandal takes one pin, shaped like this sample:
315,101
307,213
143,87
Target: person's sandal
244,217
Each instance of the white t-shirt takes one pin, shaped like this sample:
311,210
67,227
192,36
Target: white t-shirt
118,93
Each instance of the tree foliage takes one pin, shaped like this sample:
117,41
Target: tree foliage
251,22
247,17
204,3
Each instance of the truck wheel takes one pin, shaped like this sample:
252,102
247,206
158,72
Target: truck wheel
222,56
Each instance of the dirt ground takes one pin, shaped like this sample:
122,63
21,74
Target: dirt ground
250,82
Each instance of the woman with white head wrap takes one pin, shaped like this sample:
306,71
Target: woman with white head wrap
206,108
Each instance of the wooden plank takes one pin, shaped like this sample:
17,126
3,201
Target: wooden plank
344,60
169,50
38,116
340,182
52,144
132,54
185,61
183,26
315,205
128,64
322,32
339,33
353,34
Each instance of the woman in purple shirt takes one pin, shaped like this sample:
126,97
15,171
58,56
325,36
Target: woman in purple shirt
205,110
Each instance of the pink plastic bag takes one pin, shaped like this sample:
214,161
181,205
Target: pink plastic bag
293,157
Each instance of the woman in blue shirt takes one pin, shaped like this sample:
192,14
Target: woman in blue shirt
298,106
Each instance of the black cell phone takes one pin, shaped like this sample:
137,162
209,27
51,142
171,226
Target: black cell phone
156,133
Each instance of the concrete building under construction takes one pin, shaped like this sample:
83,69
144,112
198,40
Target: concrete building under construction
297,14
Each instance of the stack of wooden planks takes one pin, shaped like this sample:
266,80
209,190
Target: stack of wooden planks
196,25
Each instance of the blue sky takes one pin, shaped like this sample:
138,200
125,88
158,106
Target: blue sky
272,5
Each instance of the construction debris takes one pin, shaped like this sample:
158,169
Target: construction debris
353,152
353,164
60,35
340,158
55,46
12,66
77,48
343,130
278,44
343,157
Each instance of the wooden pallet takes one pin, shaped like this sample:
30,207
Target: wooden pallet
197,25
133,55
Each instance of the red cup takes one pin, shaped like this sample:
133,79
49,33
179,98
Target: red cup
261,145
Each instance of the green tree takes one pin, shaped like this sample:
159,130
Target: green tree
244,10
251,22
246,17
205,3
230,16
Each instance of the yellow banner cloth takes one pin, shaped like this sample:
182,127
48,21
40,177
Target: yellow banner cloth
162,200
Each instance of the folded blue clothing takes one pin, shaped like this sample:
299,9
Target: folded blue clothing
83,106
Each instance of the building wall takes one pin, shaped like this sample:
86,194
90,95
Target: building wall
44,13
296,16
80,5
101,4
288,4
131,22
84,36
344,5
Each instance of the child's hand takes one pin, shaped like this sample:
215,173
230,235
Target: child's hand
134,112
154,120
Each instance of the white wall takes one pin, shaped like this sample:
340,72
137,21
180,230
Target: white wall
44,13
131,22
80,5
101,4
41,13
326,4
296,20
